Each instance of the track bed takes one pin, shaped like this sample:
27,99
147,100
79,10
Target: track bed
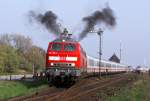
86,89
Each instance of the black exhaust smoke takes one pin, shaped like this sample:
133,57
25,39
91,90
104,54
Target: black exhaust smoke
105,16
49,20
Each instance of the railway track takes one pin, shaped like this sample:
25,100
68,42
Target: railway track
40,95
44,97
78,92
82,88
91,89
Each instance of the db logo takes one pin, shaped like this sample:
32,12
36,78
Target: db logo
62,58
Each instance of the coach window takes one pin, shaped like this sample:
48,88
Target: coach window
69,47
91,62
108,65
56,46
102,64
97,63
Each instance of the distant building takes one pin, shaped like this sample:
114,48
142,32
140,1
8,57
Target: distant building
114,58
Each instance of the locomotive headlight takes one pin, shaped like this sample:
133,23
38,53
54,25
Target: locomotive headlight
73,64
54,58
71,58
52,64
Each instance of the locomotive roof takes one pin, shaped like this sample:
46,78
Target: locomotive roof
64,39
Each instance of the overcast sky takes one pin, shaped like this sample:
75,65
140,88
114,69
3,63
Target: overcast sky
132,30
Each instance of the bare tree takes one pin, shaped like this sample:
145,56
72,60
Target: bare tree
5,39
23,44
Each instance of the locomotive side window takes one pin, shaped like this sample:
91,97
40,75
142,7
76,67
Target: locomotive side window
56,46
69,47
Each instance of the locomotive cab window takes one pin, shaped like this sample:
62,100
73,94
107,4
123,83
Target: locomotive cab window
56,47
69,47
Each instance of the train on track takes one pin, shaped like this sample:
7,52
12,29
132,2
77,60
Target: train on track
66,61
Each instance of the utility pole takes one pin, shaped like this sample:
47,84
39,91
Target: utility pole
120,51
33,69
100,33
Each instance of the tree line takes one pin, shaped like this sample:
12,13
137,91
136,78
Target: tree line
18,54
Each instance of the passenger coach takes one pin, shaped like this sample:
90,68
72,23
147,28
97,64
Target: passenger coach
106,66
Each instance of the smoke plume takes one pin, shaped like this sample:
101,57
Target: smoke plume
105,16
48,20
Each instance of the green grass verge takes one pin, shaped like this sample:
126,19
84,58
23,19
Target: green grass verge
138,92
10,89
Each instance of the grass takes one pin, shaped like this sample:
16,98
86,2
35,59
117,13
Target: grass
10,89
139,91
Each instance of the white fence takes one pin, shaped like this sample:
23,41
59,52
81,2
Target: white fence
15,77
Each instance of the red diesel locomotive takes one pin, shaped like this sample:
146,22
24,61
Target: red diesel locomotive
66,61
65,58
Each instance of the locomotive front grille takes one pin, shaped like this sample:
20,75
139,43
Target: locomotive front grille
63,64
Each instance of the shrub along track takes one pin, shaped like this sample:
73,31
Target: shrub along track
82,90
